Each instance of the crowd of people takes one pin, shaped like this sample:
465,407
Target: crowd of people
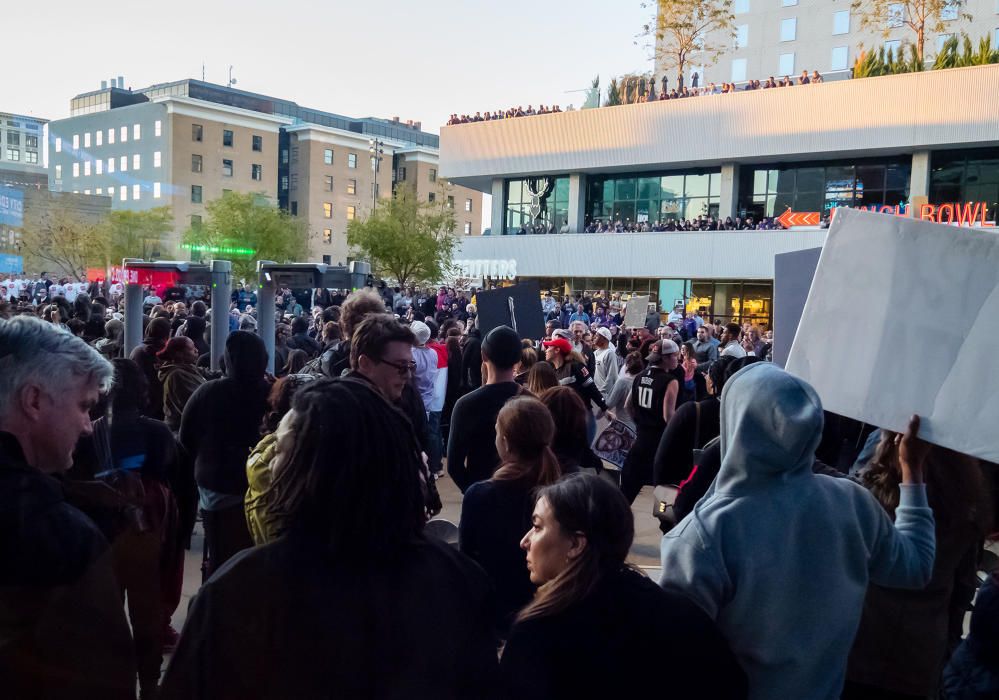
700,223
794,563
645,91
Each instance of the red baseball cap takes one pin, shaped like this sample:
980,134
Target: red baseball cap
561,344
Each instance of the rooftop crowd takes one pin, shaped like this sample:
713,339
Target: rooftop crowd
647,92
803,555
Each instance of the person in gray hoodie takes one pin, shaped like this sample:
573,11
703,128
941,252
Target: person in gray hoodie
781,557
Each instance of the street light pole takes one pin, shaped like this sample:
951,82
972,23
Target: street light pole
376,147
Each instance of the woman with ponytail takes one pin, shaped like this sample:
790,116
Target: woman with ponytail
597,627
495,513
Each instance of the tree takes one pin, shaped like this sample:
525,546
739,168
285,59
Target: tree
136,234
613,94
685,28
408,240
245,228
918,16
57,239
950,56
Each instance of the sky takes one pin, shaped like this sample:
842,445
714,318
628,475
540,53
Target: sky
414,60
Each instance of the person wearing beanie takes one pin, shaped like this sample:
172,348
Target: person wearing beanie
471,449
426,364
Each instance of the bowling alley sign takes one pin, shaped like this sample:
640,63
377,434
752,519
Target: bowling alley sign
968,214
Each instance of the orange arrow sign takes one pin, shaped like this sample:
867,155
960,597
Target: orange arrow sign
799,218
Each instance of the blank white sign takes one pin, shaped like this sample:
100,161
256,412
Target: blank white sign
901,318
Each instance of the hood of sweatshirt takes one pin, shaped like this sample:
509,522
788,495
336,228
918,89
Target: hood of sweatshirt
771,425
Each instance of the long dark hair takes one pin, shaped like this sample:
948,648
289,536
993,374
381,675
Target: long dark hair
351,476
592,507
280,398
529,431
569,413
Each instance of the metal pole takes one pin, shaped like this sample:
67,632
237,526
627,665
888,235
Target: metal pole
221,294
133,310
266,311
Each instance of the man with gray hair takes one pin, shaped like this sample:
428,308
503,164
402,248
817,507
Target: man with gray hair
63,631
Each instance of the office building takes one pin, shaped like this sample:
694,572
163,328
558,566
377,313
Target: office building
22,156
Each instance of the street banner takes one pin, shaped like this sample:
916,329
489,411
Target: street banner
635,311
613,443
11,207
518,306
899,321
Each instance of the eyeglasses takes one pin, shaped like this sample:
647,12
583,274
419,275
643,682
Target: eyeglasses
404,368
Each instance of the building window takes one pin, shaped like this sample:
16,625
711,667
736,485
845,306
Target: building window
949,12
741,36
402,174
841,22
123,134
284,182
197,132
433,174
788,3
284,156
123,164
840,58
157,159
468,228
13,135
892,47
157,128
740,6
941,40
196,194
58,172
156,190
226,168
468,205
58,145
785,64
327,260
136,161
327,235
110,165
294,208
294,181
327,210
256,172
328,156
738,70
86,168
431,197
99,166
123,193
258,143
227,137
896,15
788,29
110,136
351,213
76,142
86,191
98,137
135,192
32,157
351,186
195,220
450,202
966,176
995,36
136,132
76,166
99,191
647,198
328,183
351,160
294,154
196,163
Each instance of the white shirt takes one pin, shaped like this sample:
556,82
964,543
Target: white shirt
733,349
606,369
152,300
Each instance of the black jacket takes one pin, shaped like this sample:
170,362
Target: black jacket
301,341
636,641
471,447
288,620
674,458
471,361
63,632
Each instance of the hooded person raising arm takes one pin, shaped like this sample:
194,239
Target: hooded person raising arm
780,557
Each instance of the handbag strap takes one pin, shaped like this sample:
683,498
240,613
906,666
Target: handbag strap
697,429
102,444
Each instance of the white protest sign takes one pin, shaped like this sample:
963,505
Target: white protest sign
635,311
900,320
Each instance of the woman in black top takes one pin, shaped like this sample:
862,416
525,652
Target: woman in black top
495,513
570,443
598,628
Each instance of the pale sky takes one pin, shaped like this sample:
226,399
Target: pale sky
414,60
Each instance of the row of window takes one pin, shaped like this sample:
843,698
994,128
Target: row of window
98,136
431,174
99,169
328,211
896,10
123,190
14,139
328,232
14,154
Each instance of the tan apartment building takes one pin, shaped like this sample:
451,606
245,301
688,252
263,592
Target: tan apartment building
785,37
417,167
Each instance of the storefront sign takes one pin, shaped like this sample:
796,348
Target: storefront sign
473,269
11,207
799,218
954,213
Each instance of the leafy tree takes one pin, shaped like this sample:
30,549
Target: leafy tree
238,222
58,239
613,93
918,16
407,240
683,29
136,234
950,56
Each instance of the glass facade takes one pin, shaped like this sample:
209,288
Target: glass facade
768,190
966,176
653,197
536,205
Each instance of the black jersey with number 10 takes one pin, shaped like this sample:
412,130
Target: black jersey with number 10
648,392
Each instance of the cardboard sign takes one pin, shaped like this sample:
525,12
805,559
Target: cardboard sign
518,306
793,274
899,320
636,311
614,442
